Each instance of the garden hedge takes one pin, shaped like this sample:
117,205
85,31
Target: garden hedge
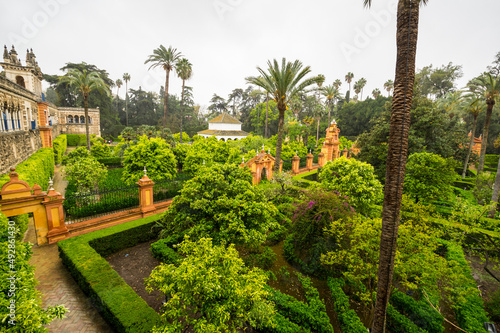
84,256
348,319
470,314
78,139
491,161
59,144
111,161
419,312
163,249
398,323
36,169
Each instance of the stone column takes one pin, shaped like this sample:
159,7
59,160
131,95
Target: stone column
295,164
321,158
309,163
146,201
53,203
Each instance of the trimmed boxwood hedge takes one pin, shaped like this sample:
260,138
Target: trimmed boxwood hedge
119,304
470,314
59,144
36,169
347,317
397,323
78,139
111,161
421,313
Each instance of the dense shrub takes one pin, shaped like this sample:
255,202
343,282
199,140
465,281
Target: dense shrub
353,179
180,151
74,155
491,161
36,169
348,319
21,225
493,306
119,304
99,149
264,259
163,249
59,144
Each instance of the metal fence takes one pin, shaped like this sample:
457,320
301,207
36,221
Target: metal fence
89,205
167,189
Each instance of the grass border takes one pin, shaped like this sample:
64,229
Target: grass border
118,303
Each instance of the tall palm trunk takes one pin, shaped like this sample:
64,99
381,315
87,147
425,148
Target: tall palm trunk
126,103
165,100
279,140
267,113
182,100
471,142
496,191
317,132
86,108
486,128
406,41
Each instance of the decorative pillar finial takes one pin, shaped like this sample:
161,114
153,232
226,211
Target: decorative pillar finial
51,184
243,159
203,162
269,151
296,153
145,172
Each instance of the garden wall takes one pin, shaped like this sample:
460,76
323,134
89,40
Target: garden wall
16,147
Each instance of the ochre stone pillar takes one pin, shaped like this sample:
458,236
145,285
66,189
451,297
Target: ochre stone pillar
295,164
146,201
53,203
309,163
321,159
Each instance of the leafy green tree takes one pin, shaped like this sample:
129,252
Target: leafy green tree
438,81
258,120
85,82
488,86
166,59
211,290
354,119
99,149
332,95
23,301
74,155
220,202
185,137
354,179
217,106
429,176
86,173
417,264
290,148
184,71
155,155
282,83
209,151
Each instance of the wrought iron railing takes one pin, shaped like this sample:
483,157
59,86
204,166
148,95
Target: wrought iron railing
167,189
100,203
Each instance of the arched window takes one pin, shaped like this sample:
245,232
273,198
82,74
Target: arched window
20,81
77,120
90,120
70,119
82,120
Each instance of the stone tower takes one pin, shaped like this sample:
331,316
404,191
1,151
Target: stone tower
29,76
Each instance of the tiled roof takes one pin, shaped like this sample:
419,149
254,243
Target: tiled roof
223,133
225,118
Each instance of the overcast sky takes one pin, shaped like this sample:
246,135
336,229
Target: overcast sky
226,40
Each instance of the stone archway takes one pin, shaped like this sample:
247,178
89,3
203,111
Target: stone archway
17,198
262,161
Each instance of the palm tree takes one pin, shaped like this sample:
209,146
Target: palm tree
184,71
332,94
357,89
166,59
85,82
283,83
362,84
389,85
488,86
475,106
348,78
267,113
119,84
397,152
337,83
126,78
376,93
